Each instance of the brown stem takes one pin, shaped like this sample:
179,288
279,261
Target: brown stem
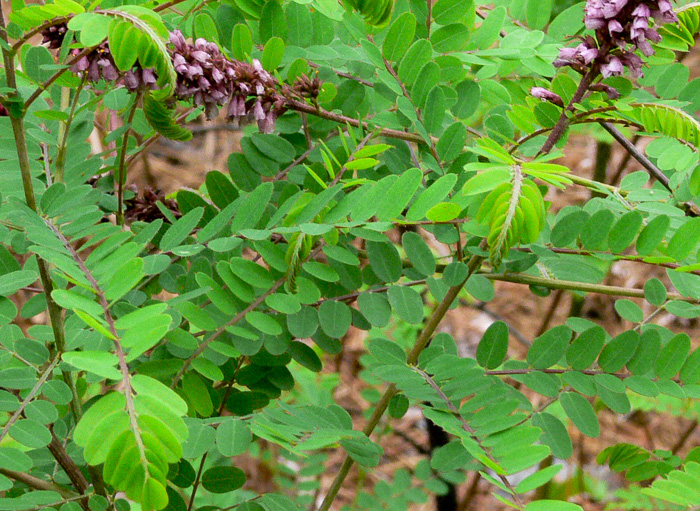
563,122
121,167
36,483
71,469
300,106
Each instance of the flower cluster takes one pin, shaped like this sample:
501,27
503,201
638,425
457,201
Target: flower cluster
97,64
203,75
621,27
53,36
144,207
207,77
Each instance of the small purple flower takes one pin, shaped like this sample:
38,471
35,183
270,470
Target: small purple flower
612,68
614,26
546,95
612,8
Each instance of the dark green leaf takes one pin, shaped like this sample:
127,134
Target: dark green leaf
549,348
493,347
581,413
672,356
407,303
223,479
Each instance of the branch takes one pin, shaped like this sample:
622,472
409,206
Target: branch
691,208
39,484
35,390
570,285
420,344
300,106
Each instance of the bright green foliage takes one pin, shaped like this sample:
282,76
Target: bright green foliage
409,171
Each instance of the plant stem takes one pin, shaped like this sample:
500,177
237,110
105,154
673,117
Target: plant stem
28,186
563,122
570,285
38,484
121,168
64,131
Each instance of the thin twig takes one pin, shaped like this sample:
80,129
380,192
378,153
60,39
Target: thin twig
570,285
691,208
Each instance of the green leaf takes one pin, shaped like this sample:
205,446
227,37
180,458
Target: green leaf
304,323
376,308
539,478
71,300
452,141
434,111
418,55
305,356
547,349
537,13
335,318
450,38
672,356
655,292
493,347
30,433
451,11
162,119
552,505
124,279
644,358
223,479
145,335
419,253
431,196
233,438
468,96
690,372
384,260
100,363
486,181
399,194
251,208
241,42
652,234
407,303
177,232
399,37
629,310
273,22
272,54
554,434
10,283
568,228
274,146
685,240
387,352
624,231
443,212
220,189
618,351
581,413
585,349
489,30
